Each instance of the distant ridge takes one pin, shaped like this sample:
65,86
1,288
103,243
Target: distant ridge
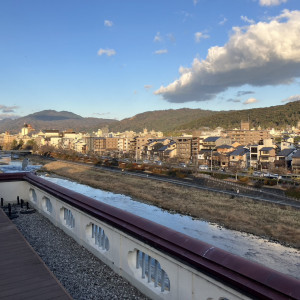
171,120
278,116
51,119
160,120
53,115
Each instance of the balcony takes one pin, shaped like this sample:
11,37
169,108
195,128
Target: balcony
160,262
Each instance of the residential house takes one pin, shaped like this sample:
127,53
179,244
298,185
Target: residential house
203,157
151,150
222,149
267,157
283,159
210,143
296,162
255,161
168,151
239,158
80,146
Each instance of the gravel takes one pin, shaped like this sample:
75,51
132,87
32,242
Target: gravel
82,274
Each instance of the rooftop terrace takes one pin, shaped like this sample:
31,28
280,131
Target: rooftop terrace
160,262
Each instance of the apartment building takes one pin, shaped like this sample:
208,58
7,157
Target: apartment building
246,137
195,148
112,143
184,148
141,145
52,132
8,138
123,145
99,145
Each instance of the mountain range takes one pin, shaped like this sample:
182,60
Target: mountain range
51,119
167,121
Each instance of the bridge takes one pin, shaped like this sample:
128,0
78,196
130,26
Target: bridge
160,262
15,152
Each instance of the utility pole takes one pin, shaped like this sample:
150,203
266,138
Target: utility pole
211,153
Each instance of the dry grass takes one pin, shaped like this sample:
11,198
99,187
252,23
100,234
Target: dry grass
262,219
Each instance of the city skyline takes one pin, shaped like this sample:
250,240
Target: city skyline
120,58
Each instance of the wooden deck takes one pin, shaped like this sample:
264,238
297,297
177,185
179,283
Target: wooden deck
23,275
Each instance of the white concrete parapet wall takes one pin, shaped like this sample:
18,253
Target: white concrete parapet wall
154,272
126,255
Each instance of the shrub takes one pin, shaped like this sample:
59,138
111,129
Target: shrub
258,184
171,172
270,182
293,192
244,179
180,174
220,176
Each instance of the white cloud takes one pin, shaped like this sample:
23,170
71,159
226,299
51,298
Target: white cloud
195,2
9,116
292,99
258,55
161,51
245,19
271,2
199,35
157,37
147,86
223,21
250,101
8,109
108,23
108,52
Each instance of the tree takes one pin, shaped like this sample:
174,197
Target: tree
14,145
31,145
20,145
46,150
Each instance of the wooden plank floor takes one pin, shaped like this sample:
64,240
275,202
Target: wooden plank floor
23,275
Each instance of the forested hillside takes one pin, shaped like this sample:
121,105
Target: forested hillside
166,121
269,117
160,120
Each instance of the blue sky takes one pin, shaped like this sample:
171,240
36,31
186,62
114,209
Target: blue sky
117,58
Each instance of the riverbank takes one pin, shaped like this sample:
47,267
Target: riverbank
263,219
